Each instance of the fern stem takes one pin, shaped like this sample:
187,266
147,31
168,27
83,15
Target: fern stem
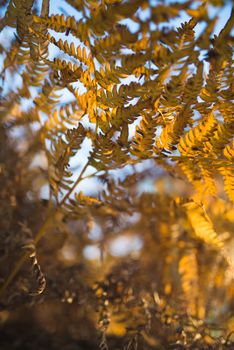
74,185
45,8
91,175
41,232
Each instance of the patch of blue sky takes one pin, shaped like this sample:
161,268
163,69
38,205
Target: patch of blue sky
90,186
121,246
132,25
61,6
95,232
125,245
223,15
10,82
92,252
148,185
83,154
44,191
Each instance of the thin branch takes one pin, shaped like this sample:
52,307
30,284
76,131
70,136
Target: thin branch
74,185
91,175
45,8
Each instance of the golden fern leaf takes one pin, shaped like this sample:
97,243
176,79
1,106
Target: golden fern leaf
142,142
208,174
174,128
111,99
226,107
103,19
193,86
61,24
191,169
171,96
12,55
65,71
46,100
87,103
188,270
227,171
76,208
80,53
114,41
202,224
107,153
194,139
218,139
210,92
229,151
58,120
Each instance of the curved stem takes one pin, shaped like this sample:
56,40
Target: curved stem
41,232
24,257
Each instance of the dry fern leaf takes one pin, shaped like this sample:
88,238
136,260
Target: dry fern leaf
59,158
29,246
19,15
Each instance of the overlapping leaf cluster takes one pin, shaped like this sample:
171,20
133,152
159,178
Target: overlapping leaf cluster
147,104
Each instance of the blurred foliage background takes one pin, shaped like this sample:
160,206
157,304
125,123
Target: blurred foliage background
116,172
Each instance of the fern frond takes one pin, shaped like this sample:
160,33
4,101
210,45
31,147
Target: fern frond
194,139
59,158
65,71
47,98
104,18
18,14
228,177
114,41
58,120
229,151
87,103
202,225
35,269
172,131
193,86
78,52
107,154
61,24
188,269
192,171
208,175
219,138
142,142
